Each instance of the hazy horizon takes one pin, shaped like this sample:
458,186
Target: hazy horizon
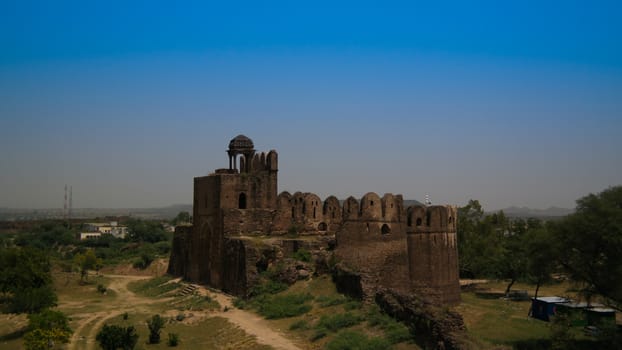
513,104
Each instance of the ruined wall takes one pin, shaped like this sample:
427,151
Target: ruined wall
377,240
371,242
433,252
179,260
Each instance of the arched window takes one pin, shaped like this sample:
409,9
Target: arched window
418,223
314,212
242,201
385,229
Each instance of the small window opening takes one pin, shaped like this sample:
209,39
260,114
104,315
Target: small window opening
242,201
418,223
385,229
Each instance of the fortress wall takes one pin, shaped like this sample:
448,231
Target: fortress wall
433,252
371,207
381,263
282,219
382,243
179,251
333,215
247,222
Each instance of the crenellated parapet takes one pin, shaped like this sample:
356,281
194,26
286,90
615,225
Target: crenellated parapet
264,162
436,218
389,245
433,251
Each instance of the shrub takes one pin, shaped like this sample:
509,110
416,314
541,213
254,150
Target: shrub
338,321
347,340
302,255
115,337
283,306
394,331
173,339
326,301
144,261
125,315
300,324
101,289
155,325
268,287
240,303
352,305
318,334
45,328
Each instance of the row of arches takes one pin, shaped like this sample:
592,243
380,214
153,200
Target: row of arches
254,162
371,207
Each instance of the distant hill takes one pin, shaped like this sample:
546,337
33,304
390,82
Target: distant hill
524,212
164,213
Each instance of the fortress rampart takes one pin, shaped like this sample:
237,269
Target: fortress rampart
380,241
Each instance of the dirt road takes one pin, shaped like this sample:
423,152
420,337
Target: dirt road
126,301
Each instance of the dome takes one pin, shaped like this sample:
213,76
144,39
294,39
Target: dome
241,143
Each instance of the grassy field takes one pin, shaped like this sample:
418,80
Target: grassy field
494,322
190,316
332,317
322,318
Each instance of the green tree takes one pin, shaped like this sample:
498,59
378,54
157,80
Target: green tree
25,280
590,243
46,329
541,252
117,337
155,325
182,217
85,262
480,240
146,231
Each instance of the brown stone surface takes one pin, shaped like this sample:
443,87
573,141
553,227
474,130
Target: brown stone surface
241,224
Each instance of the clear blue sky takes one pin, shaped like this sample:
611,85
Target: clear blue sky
512,103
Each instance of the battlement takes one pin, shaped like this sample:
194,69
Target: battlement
429,219
410,248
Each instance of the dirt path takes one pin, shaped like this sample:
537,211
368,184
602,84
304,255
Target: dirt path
126,301
252,323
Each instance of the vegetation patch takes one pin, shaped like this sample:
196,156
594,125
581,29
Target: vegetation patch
347,340
198,302
395,332
331,300
154,287
283,306
302,255
300,324
336,322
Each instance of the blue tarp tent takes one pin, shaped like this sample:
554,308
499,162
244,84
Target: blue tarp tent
544,307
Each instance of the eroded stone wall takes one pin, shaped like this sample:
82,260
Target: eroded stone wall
379,242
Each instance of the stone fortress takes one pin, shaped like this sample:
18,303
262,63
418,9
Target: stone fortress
241,227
